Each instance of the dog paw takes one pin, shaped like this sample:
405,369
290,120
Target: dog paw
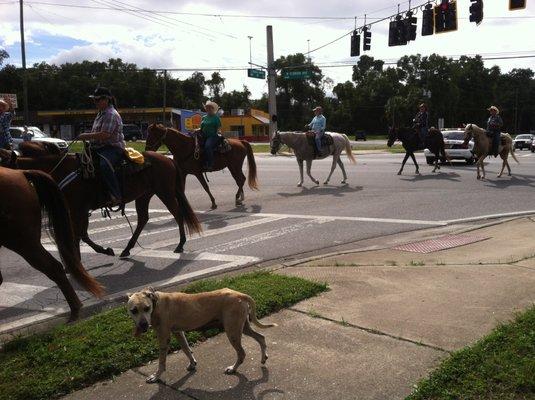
153,378
230,370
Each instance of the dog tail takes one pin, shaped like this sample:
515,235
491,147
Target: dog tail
252,314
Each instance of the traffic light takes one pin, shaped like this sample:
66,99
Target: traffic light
397,33
410,26
428,20
446,16
367,44
355,44
517,4
476,11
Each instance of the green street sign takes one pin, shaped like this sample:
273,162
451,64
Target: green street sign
297,74
256,73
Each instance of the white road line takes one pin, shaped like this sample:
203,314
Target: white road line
334,218
10,293
212,232
266,235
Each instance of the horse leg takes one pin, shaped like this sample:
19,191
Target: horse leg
415,164
142,210
309,166
403,163
171,203
341,165
300,163
85,238
333,166
503,167
508,167
204,184
43,261
240,179
436,164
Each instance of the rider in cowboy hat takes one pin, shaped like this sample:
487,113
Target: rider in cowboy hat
210,127
318,125
107,140
6,115
421,123
494,125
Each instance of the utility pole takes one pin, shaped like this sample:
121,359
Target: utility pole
24,72
164,95
308,54
250,51
272,88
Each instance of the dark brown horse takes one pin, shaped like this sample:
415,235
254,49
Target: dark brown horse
159,178
189,162
24,194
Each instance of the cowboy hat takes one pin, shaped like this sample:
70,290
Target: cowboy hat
423,105
212,104
317,108
493,108
101,92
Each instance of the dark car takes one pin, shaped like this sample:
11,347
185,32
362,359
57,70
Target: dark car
132,132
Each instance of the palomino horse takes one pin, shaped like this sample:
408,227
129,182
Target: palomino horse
158,178
304,151
483,146
24,193
188,159
409,141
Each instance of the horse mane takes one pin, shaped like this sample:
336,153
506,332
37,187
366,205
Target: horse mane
38,149
475,128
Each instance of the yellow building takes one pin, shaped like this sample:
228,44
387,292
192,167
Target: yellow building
250,124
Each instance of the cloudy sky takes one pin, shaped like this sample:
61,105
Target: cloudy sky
166,35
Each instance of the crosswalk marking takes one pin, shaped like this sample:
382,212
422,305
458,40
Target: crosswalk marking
12,294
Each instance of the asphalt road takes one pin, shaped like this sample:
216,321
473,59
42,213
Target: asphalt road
280,220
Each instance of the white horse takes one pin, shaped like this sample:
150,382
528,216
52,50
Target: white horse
305,152
483,147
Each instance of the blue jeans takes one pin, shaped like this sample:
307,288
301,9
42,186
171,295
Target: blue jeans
496,137
210,143
422,135
109,158
318,137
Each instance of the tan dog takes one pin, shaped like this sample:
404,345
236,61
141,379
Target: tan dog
178,312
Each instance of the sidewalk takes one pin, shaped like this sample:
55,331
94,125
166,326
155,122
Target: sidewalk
390,317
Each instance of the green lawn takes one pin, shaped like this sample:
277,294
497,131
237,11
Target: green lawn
501,366
73,356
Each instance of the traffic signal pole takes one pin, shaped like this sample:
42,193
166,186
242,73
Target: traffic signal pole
272,88
24,72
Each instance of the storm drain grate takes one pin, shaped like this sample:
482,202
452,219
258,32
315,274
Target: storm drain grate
443,243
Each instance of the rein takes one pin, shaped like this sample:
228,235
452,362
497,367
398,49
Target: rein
63,158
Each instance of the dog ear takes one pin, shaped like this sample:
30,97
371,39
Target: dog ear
151,294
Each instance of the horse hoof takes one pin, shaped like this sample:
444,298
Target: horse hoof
124,254
399,173
109,252
179,249
299,185
326,182
343,183
75,314
317,182
214,206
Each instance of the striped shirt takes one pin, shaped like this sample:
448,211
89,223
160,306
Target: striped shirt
109,121
5,123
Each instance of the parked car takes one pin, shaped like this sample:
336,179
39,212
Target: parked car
360,135
132,132
455,147
33,133
522,142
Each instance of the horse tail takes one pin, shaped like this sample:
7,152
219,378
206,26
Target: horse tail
53,202
251,179
349,151
192,222
511,147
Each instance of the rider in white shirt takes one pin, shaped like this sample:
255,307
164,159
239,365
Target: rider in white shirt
317,125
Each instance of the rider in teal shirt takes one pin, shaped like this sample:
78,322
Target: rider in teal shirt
318,125
210,126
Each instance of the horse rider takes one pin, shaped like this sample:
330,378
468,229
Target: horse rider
318,125
494,125
421,124
6,115
107,140
210,128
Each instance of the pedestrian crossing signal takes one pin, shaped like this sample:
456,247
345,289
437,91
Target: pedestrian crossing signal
517,4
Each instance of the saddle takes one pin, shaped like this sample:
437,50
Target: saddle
326,139
222,148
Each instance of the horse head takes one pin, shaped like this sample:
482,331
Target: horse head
38,149
156,134
468,133
8,159
392,136
275,143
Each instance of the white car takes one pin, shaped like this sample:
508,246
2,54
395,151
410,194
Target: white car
522,142
18,134
455,147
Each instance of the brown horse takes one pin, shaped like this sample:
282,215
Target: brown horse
184,154
24,193
159,178
483,147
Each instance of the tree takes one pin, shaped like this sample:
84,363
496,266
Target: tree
215,86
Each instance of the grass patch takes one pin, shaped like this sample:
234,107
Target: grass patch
71,357
499,366
416,263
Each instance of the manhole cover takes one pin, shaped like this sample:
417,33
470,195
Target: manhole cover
442,243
